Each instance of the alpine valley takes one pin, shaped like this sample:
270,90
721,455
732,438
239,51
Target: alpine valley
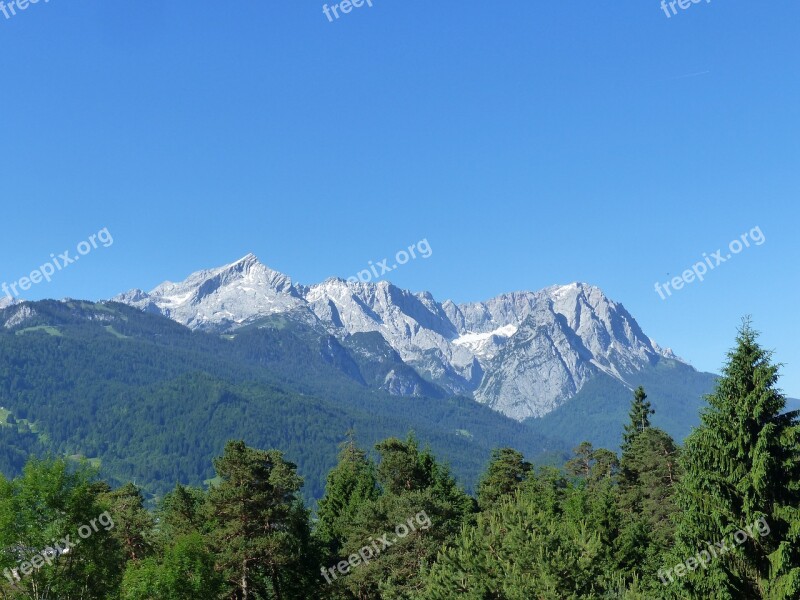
150,385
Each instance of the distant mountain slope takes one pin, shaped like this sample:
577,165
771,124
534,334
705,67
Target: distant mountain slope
153,401
600,410
522,354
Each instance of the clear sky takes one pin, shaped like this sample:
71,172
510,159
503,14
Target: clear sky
531,143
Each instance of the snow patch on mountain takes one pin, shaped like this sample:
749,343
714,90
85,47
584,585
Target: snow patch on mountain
486,345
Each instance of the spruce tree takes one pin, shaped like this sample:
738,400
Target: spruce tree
648,478
545,541
349,485
639,417
739,498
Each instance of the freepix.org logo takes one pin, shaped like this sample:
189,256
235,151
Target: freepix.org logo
57,263
35,560
345,6
401,257
10,10
668,6
699,270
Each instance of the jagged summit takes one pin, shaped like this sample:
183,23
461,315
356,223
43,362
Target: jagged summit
522,353
225,296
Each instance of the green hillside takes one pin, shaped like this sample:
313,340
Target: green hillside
598,412
155,402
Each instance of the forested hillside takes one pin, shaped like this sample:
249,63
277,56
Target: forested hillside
152,402
716,518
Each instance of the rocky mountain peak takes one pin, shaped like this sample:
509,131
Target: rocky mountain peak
522,353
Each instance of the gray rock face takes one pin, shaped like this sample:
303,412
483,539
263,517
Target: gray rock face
523,354
222,298
18,315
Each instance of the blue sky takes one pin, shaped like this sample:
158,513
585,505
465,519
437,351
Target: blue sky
530,143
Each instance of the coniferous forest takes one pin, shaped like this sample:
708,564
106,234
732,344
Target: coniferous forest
716,516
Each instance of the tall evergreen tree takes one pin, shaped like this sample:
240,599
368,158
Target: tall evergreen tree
181,513
133,524
350,484
593,466
259,528
742,474
506,471
639,417
420,509
648,477
542,542
580,465
185,572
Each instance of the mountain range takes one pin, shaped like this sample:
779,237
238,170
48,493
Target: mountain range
150,385
523,354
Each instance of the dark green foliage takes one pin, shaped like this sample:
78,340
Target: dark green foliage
649,474
603,527
157,404
259,529
592,466
546,541
639,417
418,508
186,571
742,467
351,484
507,470
132,522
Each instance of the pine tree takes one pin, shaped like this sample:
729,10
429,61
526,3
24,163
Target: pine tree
639,417
260,530
593,466
648,478
132,523
506,471
403,467
420,509
349,485
741,486
544,541
580,465
180,513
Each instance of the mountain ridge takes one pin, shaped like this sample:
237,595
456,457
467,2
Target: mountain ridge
523,354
